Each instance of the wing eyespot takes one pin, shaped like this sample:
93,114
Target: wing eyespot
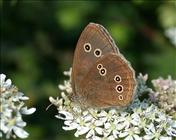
87,47
99,66
117,78
97,52
119,88
120,97
102,71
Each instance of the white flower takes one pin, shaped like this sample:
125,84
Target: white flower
66,86
171,131
153,133
131,133
12,108
149,115
68,73
82,126
165,94
128,120
95,128
111,127
105,116
5,84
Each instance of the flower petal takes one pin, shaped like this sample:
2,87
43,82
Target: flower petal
8,82
90,134
81,131
129,138
136,137
148,137
71,126
20,132
123,134
24,98
94,138
99,130
61,87
115,133
19,121
2,76
26,111
107,125
68,115
120,126
98,123
111,138
165,138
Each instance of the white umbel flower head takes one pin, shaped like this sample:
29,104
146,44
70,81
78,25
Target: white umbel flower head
132,123
12,109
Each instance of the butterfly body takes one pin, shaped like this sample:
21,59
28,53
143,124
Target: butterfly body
101,76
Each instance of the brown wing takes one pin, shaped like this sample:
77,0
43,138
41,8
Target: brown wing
101,90
96,36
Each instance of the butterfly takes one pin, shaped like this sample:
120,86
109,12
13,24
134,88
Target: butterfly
101,76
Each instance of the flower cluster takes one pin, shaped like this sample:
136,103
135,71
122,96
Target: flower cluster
165,94
141,120
11,110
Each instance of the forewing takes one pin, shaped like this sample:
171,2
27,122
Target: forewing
98,38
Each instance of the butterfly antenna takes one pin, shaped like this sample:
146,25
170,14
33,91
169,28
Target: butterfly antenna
48,106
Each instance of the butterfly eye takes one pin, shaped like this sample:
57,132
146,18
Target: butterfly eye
117,79
97,52
102,71
87,47
120,97
119,88
99,66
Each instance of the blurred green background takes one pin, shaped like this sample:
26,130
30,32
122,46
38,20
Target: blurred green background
38,39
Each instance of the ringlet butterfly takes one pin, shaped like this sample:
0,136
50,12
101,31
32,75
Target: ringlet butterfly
101,76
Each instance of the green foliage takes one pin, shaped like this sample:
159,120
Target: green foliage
39,37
